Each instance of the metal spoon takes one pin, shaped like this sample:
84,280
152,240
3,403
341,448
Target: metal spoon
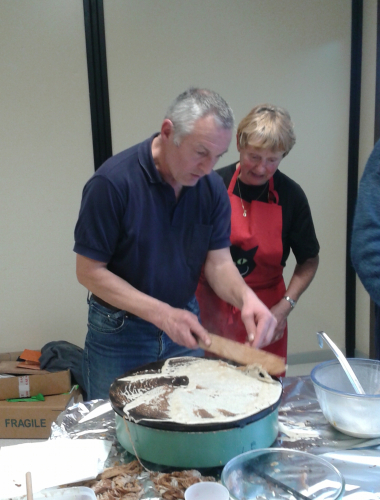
322,336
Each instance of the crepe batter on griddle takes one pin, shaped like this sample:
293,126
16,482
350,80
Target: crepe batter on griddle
197,390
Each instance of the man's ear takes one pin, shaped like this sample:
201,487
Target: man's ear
167,129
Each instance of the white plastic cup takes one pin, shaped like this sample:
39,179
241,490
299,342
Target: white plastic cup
207,490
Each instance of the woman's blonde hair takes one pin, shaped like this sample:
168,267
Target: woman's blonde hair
267,126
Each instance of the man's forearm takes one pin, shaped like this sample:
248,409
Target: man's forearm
119,293
180,325
227,283
224,278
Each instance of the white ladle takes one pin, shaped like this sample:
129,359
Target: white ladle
322,336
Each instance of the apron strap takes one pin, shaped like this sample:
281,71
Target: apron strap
272,193
231,186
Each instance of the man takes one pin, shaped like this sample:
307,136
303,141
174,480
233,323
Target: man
150,218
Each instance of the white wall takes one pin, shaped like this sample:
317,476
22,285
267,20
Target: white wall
295,54
46,157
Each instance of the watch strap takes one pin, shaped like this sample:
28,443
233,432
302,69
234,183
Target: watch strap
291,301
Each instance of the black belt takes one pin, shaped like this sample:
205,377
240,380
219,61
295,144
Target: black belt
104,303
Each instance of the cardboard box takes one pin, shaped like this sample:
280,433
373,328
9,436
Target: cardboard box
25,386
33,419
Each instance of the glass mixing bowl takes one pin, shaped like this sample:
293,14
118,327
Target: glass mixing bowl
281,473
353,414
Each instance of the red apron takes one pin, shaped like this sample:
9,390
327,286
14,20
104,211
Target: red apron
261,228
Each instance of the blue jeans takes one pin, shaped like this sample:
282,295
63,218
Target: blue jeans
117,342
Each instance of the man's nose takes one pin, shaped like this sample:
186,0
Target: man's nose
207,165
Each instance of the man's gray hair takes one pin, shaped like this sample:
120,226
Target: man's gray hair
197,103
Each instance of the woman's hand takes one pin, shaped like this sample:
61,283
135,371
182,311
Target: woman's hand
280,311
301,279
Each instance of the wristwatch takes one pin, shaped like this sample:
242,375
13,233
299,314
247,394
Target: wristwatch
291,301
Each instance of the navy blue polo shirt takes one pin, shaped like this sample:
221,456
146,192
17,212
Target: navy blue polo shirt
130,219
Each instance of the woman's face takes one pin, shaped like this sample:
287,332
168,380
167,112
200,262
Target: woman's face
258,165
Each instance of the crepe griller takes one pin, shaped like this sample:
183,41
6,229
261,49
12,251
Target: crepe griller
196,439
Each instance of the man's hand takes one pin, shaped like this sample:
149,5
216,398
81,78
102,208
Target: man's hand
183,328
225,280
258,320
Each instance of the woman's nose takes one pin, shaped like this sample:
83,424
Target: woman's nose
261,165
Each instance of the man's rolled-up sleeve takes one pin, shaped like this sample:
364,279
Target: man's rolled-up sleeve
98,227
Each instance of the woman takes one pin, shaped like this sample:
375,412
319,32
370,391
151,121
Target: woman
270,215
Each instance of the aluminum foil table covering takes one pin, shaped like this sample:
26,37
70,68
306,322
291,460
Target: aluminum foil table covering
302,426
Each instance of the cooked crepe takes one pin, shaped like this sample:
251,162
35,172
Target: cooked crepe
198,391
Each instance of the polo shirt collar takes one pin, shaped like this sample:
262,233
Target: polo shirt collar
147,163
146,160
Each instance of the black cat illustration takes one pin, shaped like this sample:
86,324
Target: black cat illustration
243,259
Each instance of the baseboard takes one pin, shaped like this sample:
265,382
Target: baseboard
361,354
303,358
